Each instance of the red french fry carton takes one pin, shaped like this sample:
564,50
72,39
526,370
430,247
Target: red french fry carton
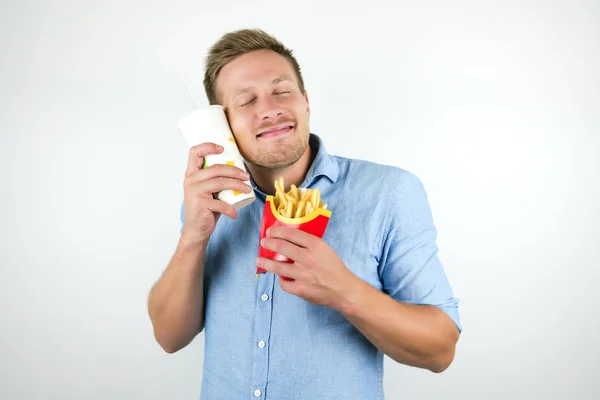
315,223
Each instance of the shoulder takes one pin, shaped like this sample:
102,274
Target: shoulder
385,179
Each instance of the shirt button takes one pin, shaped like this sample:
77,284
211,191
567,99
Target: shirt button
264,297
261,344
257,393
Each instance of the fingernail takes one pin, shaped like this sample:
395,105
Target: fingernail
246,175
257,261
262,242
219,147
248,189
268,231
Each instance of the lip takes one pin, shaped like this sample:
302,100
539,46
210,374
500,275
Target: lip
276,130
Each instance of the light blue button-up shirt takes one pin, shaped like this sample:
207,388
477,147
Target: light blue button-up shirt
263,343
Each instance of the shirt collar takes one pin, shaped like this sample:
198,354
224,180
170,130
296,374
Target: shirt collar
323,164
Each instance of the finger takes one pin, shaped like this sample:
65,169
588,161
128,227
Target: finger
292,287
284,248
279,268
196,156
217,184
222,170
293,235
221,207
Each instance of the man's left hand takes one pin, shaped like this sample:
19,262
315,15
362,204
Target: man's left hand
319,275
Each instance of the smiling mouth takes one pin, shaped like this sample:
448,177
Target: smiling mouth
276,131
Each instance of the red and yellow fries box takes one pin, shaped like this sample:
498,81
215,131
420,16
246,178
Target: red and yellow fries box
314,223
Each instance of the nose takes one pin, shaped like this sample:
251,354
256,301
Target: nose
269,109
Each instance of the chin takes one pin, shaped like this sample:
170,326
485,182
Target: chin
264,158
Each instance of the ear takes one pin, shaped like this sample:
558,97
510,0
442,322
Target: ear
307,102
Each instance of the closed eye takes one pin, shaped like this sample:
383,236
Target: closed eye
277,93
248,102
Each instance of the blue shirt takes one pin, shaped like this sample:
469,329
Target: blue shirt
263,343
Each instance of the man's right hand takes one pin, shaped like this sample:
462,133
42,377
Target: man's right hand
201,209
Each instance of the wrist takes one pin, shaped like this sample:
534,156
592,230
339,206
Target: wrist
352,296
190,253
190,240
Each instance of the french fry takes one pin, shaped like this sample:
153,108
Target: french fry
301,207
281,197
289,209
300,210
315,198
279,187
309,209
307,193
295,192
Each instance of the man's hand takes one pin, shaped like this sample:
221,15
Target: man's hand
319,275
201,209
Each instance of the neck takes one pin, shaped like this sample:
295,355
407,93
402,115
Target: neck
293,174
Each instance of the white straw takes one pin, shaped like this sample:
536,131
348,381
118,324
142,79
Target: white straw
190,99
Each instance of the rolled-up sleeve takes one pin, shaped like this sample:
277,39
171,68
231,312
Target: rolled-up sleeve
409,268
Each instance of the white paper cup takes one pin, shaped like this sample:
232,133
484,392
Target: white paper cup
209,124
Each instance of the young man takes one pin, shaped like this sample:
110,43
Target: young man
372,286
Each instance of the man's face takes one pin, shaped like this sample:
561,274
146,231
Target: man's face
267,112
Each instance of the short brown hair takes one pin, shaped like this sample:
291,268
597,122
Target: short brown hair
235,44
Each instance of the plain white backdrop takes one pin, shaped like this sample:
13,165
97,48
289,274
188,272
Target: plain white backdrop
495,105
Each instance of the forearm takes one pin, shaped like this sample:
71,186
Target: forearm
416,335
175,303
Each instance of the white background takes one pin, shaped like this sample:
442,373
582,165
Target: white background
495,105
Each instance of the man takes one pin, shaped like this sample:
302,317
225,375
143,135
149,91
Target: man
372,286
